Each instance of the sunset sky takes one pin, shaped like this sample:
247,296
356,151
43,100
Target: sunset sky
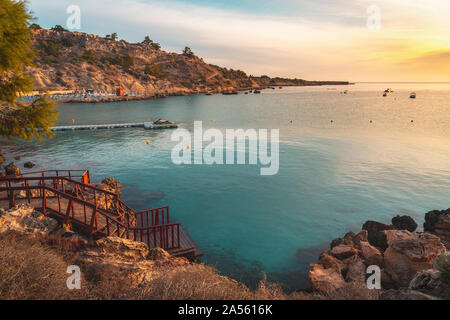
310,39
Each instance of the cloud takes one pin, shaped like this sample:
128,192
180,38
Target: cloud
327,40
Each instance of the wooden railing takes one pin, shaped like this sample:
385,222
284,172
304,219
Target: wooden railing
93,210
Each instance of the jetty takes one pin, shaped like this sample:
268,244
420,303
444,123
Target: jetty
69,197
146,125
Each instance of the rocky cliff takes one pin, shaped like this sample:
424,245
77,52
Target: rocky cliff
72,60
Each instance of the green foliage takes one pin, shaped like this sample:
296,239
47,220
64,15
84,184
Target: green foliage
154,70
444,268
28,121
51,48
150,42
17,119
188,52
124,61
35,27
112,36
89,56
58,28
67,42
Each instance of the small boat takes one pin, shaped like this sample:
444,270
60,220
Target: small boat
160,124
412,95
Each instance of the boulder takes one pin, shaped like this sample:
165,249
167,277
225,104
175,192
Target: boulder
24,219
362,236
112,185
404,223
405,295
12,170
409,253
343,251
125,260
124,249
347,239
323,280
328,261
356,271
17,158
429,282
372,255
29,164
375,235
438,223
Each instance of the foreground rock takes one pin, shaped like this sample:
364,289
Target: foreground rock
126,260
438,223
404,223
407,260
408,253
26,220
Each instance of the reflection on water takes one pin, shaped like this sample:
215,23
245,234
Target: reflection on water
332,178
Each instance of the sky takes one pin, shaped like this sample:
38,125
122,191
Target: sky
353,40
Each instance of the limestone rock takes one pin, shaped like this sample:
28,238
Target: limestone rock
428,281
362,236
328,261
356,271
409,253
343,251
12,170
376,236
26,220
123,249
404,223
29,164
371,255
438,223
325,280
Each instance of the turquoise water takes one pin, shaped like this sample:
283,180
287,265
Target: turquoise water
332,176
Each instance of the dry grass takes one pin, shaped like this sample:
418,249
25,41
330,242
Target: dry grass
199,282
30,270
35,268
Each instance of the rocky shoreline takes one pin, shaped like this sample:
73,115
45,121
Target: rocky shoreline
412,264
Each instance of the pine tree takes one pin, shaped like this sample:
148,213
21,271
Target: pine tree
18,119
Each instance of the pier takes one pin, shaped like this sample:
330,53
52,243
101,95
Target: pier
146,125
69,197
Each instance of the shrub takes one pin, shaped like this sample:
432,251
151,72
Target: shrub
89,56
153,70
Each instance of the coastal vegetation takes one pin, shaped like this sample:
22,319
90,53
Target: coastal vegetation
18,119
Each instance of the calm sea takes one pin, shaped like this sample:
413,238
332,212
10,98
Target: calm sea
332,178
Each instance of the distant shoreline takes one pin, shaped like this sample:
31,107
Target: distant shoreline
110,99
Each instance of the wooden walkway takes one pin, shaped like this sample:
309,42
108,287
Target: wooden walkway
96,212
146,125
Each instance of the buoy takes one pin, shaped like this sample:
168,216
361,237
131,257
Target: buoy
188,146
73,120
292,121
412,121
148,141
371,121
